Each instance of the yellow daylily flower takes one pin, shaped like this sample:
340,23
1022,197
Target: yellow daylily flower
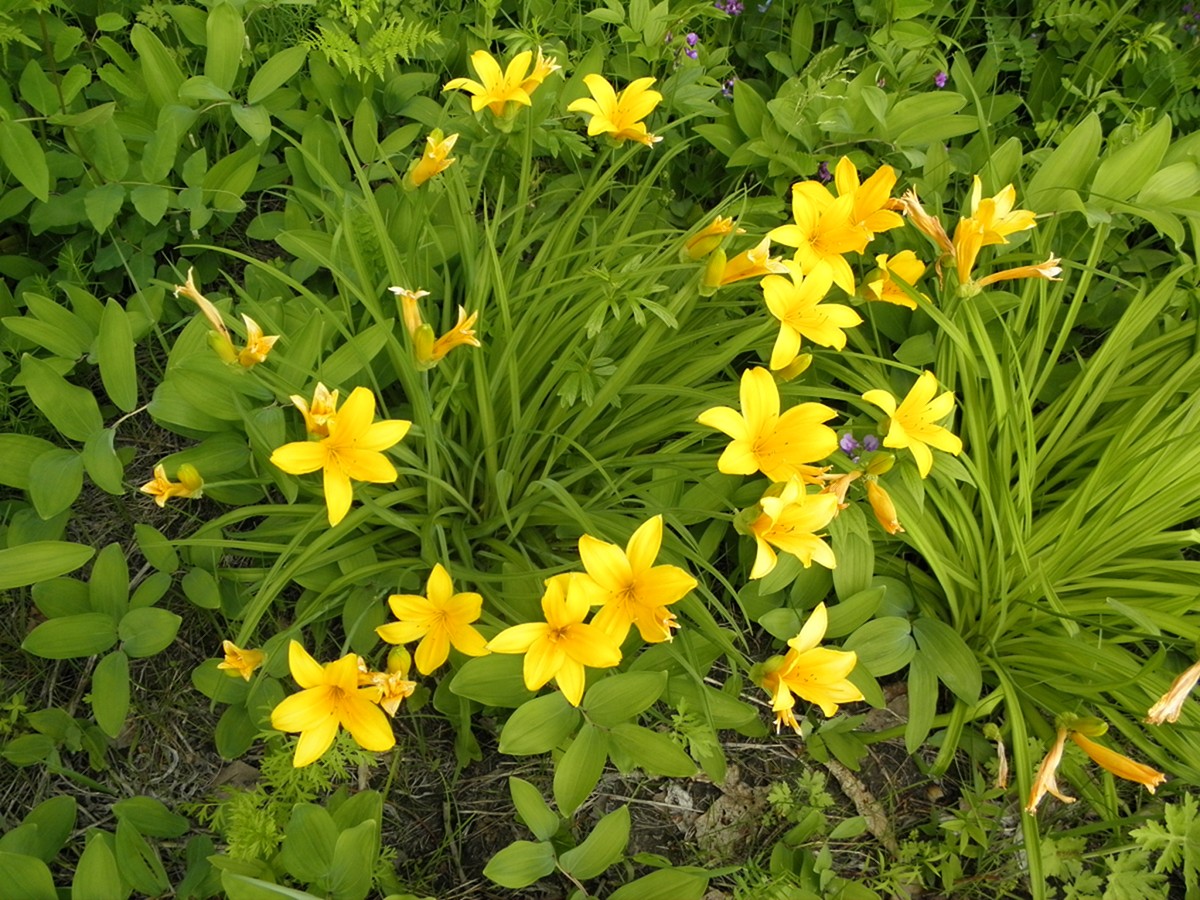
394,685
1119,764
882,506
796,302
257,346
320,413
353,450
874,208
628,587
709,238
427,351
1046,779
331,698
618,115
239,662
495,88
1048,270
752,263
162,489
779,446
439,620
219,338
543,68
1169,706
882,285
823,231
435,160
912,422
996,214
811,672
928,225
563,645
790,521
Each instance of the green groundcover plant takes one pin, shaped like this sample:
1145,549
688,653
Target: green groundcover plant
499,412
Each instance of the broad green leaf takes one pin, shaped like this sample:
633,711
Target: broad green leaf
275,72
345,363
102,463
55,480
55,820
236,732
72,636
151,817
21,566
148,630
538,725
665,884
17,453
139,862
652,752
364,134
520,864
600,849
226,37
244,887
494,680
26,877
70,409
950,656
309,843
353,858
883,645
230,177
579,769
111,157
114,351
156,548
854,549
96,875
532,809
110,692
200,586
254,120
1066,168
150,201
1124,171
21,152
28,749
922,701
151,590
163,76
57,597
44,334
852,612
73,326
108,587
623,697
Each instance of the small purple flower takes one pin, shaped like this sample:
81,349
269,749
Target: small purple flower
1187,9
870,443
691,54
940,79
848,444
727,88
734,7
823,174
692,39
